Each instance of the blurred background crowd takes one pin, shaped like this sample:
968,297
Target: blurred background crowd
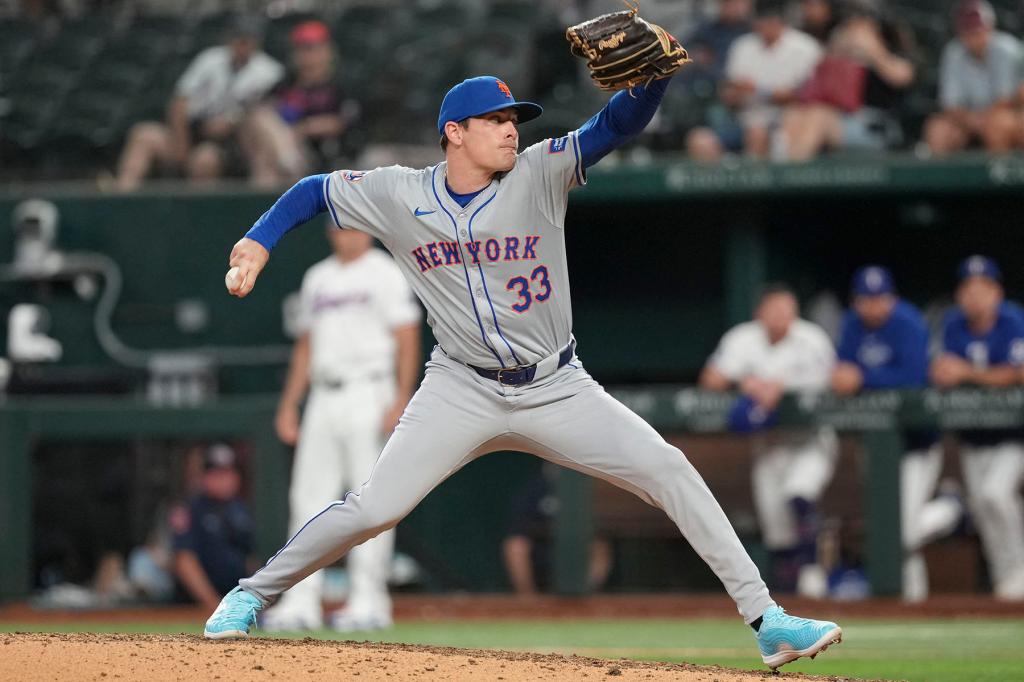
118,91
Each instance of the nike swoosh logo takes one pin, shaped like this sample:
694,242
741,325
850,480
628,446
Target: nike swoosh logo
418,212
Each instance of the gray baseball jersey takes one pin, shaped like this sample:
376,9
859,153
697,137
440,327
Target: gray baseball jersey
494,280
492,275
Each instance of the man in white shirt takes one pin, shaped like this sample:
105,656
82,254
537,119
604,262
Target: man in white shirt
359,355
210,99
779,353
763,73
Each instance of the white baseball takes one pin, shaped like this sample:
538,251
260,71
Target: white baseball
233,280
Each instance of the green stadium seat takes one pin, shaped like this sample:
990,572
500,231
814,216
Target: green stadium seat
92,119
30,119
513,13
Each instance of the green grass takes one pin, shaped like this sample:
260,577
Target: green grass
921,651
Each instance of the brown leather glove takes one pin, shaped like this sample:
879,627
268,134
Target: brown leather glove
623,50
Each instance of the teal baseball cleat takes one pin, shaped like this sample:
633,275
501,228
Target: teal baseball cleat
783,638
235,614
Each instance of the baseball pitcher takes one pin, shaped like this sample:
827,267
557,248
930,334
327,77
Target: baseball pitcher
481,239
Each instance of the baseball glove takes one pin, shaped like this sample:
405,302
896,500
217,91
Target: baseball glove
623,50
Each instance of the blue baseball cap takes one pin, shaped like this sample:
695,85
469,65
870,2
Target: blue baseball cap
979,266
479,96
872,280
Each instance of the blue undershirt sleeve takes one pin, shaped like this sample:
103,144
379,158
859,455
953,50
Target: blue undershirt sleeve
305,200
624,117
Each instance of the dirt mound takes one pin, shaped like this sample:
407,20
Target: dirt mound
65,657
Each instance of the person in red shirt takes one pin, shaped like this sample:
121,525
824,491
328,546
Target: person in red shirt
300,126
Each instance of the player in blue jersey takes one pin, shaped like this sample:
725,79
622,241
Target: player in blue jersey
884,344
983,345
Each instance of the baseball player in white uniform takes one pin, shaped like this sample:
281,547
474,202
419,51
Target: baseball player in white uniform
358,356
481,239
774,354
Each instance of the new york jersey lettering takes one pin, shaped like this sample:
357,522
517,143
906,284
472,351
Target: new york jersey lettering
445,254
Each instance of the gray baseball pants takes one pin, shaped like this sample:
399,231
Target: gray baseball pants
566,418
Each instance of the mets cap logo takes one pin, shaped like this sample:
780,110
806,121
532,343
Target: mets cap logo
874,278
503,88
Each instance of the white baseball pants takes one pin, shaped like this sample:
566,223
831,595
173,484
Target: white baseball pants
923,518
340,441
787,466
993,475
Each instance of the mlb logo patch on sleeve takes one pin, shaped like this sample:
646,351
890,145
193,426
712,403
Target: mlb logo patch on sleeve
558,145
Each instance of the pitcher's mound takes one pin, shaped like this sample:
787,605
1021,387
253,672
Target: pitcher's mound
154,658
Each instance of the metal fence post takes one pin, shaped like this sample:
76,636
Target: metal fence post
574,529
883,544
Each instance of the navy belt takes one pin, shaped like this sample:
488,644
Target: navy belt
517,376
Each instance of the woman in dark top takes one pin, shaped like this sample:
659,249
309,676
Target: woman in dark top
850,101
295,131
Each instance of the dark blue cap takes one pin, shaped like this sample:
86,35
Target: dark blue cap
872,280
746,416
479,96
979,266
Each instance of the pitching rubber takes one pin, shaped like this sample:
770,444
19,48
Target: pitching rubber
834,636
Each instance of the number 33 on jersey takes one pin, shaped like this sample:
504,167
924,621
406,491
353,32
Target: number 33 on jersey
492,274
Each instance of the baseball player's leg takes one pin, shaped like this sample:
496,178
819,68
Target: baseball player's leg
919,472
993,476
369,604
812,464
317,479
777,508
923,517
811,467
1000,513
775,516
435,438
573,422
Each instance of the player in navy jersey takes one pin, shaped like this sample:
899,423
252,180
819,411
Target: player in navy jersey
884,344
983,345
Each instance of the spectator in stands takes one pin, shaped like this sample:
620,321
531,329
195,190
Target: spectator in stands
763,72
851,100
983,345
978,80
708,46
884,344
818,18
210,100
526,549
212,532
300,127
777,353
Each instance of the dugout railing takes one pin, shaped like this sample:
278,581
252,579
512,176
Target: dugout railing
878,417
